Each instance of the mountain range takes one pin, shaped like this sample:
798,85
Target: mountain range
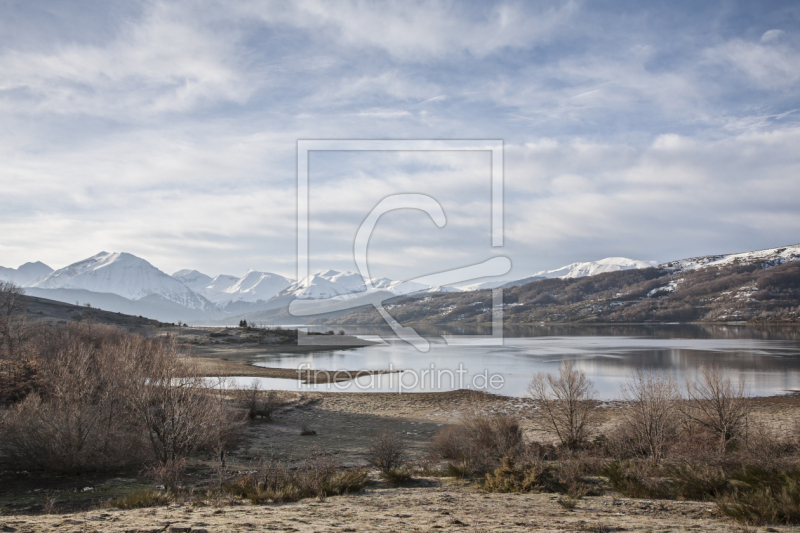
122,282
754,287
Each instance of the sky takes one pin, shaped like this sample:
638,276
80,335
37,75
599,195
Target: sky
654,131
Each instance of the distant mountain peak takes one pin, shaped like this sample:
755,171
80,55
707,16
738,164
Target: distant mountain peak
25,274
125,275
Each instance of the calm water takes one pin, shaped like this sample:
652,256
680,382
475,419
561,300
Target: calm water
768,360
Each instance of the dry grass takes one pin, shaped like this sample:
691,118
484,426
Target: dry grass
141,499
319,477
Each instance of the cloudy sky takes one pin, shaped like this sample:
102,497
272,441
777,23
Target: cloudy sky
169,130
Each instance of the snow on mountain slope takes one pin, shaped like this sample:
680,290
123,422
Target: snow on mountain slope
592,268
217,285
125,275
771,256
331,283
254,286
326,284
25,274
193,279
574,270
485,285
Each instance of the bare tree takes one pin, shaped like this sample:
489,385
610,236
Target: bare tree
12,319
650,415
179,412
387,452
260,403
566,406
717,405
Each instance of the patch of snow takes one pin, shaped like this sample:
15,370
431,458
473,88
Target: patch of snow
770,256
592,268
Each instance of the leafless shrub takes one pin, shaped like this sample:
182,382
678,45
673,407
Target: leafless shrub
478,443
450,442
766,450
168,474
19,371
260,403
18,378
650,415
716,404
82,420
696,445
13,327
570,470
566,406
496,435
387,453
180,414
105,395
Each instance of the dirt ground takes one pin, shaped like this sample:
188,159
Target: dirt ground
344,424
443,506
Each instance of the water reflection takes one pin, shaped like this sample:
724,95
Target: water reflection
767,359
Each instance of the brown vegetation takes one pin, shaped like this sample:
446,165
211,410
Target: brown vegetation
565,404
83,397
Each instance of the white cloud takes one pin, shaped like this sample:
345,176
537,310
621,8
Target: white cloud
173,134
411,31
770,64
676,197
163,63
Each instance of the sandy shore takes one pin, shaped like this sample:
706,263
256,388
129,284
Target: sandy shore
215,367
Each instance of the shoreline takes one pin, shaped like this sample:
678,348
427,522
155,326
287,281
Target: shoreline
222,368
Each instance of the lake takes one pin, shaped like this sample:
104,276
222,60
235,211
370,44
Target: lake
766,359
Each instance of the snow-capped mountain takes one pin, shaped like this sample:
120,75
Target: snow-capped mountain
193,279
125,275
573,270
326,284
592,268
217,285
254,286
129,284
25,274
770,256
332,283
